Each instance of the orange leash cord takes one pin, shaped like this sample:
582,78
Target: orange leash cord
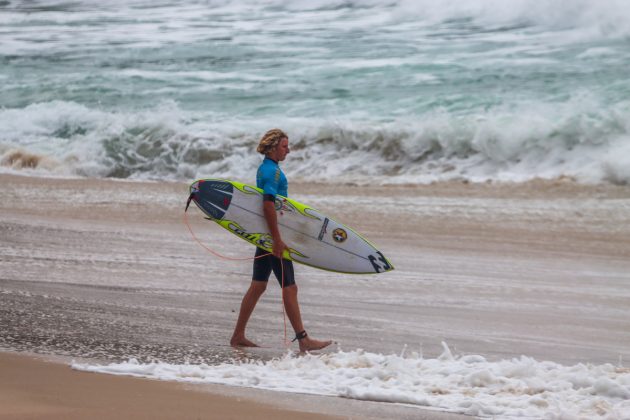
284,317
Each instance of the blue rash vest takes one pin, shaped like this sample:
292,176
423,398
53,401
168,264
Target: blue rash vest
271,179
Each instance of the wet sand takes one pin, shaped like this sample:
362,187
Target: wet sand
33,388
106,270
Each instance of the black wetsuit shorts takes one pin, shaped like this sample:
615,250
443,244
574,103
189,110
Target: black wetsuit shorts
264,265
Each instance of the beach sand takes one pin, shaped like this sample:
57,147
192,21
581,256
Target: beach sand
33,388
105,270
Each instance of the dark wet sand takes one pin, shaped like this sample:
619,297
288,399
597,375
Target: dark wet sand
106,270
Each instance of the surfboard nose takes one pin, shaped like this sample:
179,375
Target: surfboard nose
380,263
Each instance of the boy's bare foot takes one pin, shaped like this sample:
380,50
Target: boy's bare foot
242,342
309,344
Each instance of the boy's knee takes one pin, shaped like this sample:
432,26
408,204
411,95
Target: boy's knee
258,287
292,289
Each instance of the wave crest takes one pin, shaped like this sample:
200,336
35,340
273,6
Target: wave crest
579,139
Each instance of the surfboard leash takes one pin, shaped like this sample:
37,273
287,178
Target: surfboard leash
284,315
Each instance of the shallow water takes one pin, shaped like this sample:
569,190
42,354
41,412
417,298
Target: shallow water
468,384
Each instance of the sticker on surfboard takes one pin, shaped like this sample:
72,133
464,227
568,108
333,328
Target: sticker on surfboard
339,235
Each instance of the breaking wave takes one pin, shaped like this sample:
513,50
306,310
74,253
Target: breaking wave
579,140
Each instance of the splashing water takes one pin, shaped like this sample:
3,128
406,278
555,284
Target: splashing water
469,384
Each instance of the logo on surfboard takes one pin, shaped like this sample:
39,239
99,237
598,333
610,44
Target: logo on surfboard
282,205
339,235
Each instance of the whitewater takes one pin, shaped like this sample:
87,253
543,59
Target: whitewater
377,91
468,384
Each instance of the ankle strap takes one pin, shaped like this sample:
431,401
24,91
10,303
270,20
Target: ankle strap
300,336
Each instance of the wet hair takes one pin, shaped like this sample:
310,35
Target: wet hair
270,140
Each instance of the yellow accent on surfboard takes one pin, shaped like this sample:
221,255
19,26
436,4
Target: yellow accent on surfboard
261,240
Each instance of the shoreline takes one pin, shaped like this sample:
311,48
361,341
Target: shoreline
559,185
34,387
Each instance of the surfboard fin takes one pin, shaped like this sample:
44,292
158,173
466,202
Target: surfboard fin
190,198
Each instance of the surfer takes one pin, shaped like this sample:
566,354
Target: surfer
270,178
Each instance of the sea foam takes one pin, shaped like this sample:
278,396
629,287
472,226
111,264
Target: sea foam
468,384
578,140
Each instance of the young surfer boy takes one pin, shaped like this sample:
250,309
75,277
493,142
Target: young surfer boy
270,178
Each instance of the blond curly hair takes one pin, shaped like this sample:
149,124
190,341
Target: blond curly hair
270,140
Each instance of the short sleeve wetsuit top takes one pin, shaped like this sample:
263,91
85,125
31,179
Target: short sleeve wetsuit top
272,181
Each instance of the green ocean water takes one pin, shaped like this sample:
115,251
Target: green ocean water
392,91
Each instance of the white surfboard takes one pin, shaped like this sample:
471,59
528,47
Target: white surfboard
313,238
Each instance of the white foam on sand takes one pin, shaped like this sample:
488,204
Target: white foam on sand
469,384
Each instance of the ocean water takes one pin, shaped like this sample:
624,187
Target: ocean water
520,388
373,91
